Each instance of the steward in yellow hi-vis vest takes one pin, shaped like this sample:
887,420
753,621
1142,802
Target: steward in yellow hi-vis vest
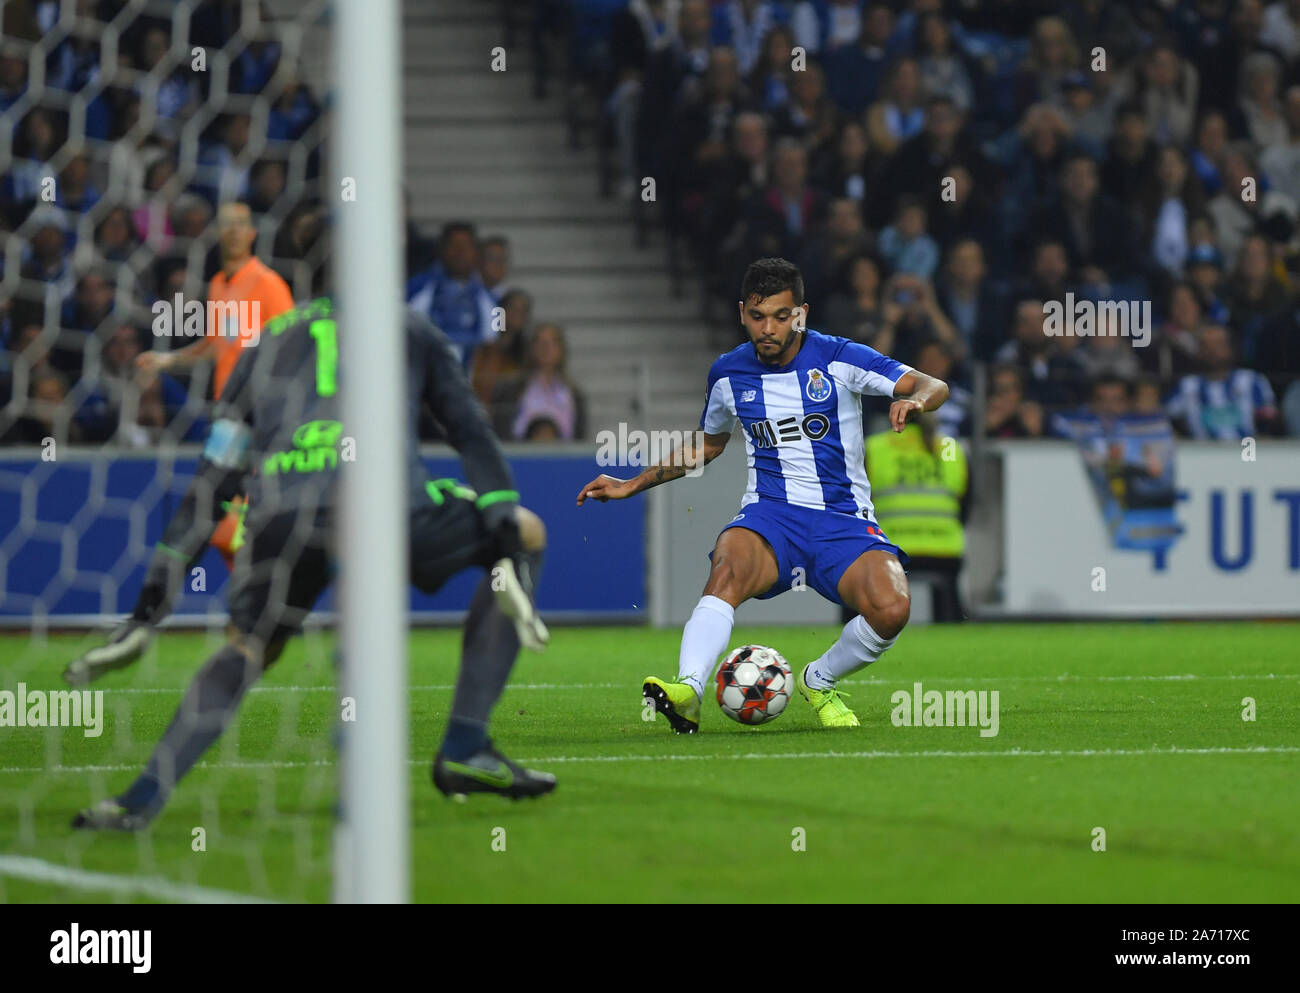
918,480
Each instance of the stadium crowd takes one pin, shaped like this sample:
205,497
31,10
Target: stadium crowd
107,208
943,171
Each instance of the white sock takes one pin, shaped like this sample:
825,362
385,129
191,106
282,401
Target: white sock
704,638
858,646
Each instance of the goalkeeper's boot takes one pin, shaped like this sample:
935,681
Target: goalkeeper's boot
676,701
488,771
110,815
126,644
513,588
826,704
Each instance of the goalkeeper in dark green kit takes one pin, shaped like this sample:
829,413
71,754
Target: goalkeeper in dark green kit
278,421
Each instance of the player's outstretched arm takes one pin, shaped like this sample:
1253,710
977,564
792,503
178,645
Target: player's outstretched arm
913,393
697,450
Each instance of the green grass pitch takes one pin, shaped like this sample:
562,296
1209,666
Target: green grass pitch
1135,728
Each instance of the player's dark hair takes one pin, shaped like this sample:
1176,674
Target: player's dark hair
768,277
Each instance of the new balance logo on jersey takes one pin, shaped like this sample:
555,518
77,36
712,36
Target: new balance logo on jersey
770,434
748,396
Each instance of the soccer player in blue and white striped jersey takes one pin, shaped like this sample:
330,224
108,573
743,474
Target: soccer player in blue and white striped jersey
806,512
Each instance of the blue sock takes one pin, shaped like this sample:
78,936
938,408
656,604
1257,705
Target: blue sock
140,794
463,739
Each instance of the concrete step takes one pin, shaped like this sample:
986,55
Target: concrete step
540,134
503,208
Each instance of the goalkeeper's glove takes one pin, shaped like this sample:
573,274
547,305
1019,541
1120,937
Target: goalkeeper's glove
498,513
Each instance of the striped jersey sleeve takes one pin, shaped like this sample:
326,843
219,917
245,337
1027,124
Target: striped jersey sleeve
866,371
719,416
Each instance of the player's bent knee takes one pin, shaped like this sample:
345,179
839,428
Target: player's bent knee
532,532
889,618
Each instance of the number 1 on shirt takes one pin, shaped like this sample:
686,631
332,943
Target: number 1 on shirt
327,356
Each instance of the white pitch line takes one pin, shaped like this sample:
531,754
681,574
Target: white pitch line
785,756
900,681
39,871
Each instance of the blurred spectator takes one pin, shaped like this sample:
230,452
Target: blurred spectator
1053,56
1281,161
36,140
177,93
969,301
934,358
1172,352
899,113
1235,217
854,309
743,24
1280,28
1225,402
452,295
1205,273
809,115
942,69
912,316
294,111
854,72
266,185
682,60
1172,196
848,172
503,359
75,192
1088,117
494,265
1009,414
115,236
905,244
1094,227
842,237
1261,111
1130,157
1166,88
48,263
923,163
1211,144
45,414
826,25
545,394
13,78
776,221
222,174
772,75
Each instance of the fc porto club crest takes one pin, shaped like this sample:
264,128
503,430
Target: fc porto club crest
819,386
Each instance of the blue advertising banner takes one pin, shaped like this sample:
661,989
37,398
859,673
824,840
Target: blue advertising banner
76,535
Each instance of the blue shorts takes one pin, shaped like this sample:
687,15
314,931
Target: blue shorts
820,542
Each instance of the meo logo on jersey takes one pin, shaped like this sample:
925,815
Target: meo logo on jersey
819,386
769,433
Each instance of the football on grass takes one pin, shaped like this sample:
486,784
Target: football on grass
754,684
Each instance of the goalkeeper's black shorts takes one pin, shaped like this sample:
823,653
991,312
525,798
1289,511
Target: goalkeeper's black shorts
287,560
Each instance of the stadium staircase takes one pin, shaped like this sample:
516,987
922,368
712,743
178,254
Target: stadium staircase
480,147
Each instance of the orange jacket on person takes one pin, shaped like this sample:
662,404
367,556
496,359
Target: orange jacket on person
252,283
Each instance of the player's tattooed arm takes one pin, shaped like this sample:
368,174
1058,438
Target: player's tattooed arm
697,450
914,393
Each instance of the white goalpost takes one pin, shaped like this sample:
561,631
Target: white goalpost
372,858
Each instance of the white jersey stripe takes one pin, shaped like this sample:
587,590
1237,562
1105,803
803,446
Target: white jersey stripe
850,420
783,401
